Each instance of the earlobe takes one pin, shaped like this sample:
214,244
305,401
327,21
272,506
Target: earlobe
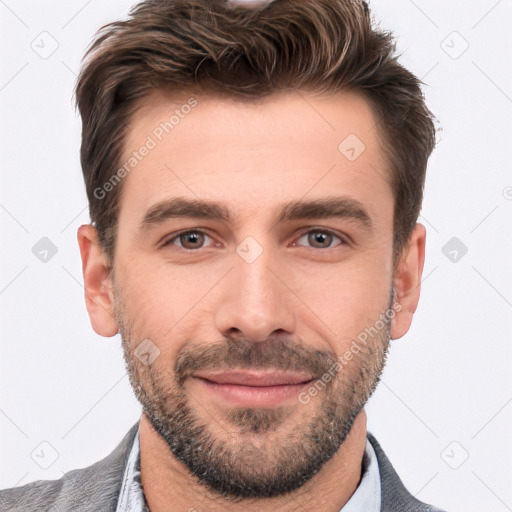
99,298
407,282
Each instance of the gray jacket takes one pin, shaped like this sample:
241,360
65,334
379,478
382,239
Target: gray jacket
96,488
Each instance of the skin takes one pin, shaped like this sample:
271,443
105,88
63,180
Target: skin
316,297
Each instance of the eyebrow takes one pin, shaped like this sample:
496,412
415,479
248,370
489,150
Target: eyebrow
328,207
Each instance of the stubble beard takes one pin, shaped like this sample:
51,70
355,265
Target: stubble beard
266,452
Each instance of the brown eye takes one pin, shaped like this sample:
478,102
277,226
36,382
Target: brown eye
320,239
188,240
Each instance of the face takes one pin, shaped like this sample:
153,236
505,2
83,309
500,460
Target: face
253,281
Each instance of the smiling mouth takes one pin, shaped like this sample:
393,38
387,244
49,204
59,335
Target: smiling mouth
256,378
253,388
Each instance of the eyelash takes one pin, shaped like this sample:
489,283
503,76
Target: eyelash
195,231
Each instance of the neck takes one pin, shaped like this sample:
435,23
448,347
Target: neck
166,480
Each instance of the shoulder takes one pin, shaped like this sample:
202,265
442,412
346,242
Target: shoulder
394,495
94,488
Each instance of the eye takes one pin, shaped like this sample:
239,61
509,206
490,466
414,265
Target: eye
188,240
320,238
194,239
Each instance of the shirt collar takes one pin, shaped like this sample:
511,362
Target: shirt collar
366,498
131,496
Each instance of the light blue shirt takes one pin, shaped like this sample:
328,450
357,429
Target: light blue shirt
366,498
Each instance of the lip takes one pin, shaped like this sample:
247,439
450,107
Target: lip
251,388
256,378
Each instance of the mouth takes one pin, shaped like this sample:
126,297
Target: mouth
256,378
253,388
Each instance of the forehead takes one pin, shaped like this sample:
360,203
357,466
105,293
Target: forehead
289,144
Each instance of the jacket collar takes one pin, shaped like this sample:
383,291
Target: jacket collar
394,495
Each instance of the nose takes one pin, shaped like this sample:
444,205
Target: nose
255,301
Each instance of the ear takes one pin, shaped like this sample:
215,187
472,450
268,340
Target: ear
407,282
97,282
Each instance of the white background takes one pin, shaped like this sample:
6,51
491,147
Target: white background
446,393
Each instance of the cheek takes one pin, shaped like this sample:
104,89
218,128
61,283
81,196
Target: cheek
145,297
350,297
161,301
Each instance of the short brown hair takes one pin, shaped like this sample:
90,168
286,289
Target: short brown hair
246,53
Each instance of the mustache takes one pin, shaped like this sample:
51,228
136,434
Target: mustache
271,354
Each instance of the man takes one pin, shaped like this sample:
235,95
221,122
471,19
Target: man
254,173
